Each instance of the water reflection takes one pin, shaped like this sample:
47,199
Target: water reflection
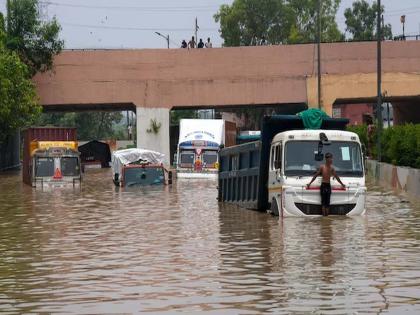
102,249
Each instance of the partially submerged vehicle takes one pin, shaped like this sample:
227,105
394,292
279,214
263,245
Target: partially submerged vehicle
272,174
50,156
132,167
95,154
54,162
198,146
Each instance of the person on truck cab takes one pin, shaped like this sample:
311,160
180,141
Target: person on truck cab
326,171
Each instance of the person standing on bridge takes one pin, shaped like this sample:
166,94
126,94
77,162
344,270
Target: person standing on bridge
326,171
208,43
191,43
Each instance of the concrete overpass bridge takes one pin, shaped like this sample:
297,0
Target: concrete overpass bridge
152,82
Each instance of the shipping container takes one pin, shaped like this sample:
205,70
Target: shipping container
42,134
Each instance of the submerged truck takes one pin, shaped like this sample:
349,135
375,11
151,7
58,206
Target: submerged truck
139,167
273,173
199,143
50,156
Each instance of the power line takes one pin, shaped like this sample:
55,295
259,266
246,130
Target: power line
131,8
125,28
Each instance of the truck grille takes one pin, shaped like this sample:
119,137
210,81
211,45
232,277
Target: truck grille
311,209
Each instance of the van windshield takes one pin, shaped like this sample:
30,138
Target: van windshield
300,158
144,176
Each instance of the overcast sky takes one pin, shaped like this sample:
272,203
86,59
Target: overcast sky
132,23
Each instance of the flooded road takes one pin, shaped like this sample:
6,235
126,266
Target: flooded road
101,249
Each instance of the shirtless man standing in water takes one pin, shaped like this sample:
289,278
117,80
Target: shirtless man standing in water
326,171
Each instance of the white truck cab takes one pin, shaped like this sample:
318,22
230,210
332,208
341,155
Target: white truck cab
296,155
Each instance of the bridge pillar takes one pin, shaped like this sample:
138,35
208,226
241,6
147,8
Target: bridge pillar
153,130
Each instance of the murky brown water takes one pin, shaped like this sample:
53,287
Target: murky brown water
174,249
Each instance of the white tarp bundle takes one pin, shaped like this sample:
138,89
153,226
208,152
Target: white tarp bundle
128,156
210,130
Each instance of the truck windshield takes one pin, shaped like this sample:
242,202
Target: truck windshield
187,157
143,176
209,158
300,158
70,166
44,167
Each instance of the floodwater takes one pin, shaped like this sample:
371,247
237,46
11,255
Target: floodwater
164,250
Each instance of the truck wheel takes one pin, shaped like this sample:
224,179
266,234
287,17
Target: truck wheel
274,208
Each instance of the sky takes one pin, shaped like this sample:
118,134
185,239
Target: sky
132,23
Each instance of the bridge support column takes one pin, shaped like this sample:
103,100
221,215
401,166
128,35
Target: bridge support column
153,130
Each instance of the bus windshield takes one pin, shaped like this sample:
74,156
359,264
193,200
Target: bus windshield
300,158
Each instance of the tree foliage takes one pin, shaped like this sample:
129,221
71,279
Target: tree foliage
400,144
36,41
90,125
18,99
27,45
248,22
305,25
178,114
361,21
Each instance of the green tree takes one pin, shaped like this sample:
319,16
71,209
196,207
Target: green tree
178,114
35,41
247,22
304,28
18,100
361,21
90,125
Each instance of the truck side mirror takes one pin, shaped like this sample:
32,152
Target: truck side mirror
319,156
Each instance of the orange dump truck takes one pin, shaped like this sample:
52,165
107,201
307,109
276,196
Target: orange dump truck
50,156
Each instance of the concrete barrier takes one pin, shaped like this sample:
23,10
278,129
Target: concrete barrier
401,179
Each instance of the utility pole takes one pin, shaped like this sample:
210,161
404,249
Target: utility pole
165,37
402,19
8,15
379,82
319,53
196,32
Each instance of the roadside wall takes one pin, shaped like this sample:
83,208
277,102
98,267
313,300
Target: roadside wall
401,179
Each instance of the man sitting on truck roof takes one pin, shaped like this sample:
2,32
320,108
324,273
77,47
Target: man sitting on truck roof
326,171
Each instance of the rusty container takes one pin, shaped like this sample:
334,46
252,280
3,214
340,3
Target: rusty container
42,134
230,133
